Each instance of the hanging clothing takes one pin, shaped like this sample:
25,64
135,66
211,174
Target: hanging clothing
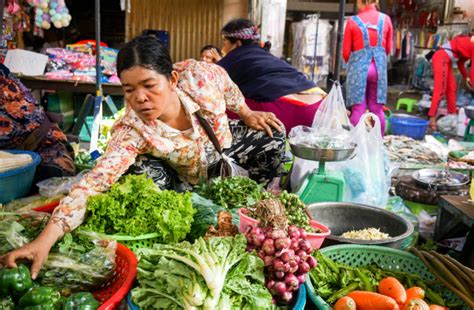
24,125
360,60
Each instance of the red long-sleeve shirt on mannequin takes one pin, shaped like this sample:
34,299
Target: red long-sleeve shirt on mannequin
353,38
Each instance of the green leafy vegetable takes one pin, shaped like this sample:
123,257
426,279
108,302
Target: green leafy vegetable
212,274
205,216
135,206
231,193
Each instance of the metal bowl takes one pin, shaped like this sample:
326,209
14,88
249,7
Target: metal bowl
341,217
469,111
317,154
439,180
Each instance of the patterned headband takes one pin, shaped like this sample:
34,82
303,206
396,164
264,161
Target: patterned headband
250,33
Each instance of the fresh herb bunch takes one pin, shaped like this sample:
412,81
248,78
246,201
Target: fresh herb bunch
231,193
294,209
136,206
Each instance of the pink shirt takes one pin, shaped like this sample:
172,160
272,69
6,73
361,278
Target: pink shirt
353,38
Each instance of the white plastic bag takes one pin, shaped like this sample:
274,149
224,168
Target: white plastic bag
235,169
58,186
330,119
366,176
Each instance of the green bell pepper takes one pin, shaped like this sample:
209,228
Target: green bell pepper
41,298
83,301
7,303
15,281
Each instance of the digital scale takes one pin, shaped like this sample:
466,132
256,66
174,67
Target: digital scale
321,185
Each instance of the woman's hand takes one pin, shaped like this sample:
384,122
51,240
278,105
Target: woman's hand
215,54
35,251
262,121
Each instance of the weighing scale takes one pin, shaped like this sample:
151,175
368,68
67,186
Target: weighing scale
321,185
468,135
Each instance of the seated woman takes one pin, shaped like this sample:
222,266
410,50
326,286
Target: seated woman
210,54
24,125
267,82
163,105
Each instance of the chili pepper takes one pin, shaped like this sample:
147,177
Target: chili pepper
15,281
83,301
7,303
44,298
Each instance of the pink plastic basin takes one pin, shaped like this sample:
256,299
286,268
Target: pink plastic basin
316,239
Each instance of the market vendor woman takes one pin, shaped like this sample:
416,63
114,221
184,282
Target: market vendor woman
161,121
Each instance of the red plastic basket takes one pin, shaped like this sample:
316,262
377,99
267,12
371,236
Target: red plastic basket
111,293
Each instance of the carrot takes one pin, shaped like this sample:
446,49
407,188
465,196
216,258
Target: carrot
369,301
345,303
437,307
391,287
416,304
415,292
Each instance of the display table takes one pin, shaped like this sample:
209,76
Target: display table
455,219
41,82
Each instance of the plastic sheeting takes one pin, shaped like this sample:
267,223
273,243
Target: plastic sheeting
306,34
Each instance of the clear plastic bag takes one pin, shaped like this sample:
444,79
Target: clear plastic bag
58,186
229,168
366,174
330,120
448,124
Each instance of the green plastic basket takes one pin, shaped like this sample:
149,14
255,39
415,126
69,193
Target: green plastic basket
137,242
386,258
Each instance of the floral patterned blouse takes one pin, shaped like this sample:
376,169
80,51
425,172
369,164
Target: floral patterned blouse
201,86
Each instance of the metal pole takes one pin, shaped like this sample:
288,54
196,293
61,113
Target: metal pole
97,49
313,67
98,83
340,28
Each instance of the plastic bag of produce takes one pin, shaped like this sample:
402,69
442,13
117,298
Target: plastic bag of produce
330,126
367,181
58,186
448,124
82,261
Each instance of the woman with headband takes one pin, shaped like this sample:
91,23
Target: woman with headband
267,82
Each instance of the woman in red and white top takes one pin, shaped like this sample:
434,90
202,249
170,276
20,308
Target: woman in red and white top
367,42
460,49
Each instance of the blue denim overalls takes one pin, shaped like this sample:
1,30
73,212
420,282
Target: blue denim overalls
359,63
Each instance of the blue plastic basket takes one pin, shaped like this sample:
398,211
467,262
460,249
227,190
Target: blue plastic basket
412,127
300,302
17,183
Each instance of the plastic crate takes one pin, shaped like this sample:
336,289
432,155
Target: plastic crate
412,127
111,293
386,258
17,183
299,304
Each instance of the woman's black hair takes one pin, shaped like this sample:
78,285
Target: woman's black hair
210,47
145,51
235,25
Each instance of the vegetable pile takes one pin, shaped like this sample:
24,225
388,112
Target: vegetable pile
136,206
455,276
17,288
333,281
231,193
285,251
80,261
214,274
366,234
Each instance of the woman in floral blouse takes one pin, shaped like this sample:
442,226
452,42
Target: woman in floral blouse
161,122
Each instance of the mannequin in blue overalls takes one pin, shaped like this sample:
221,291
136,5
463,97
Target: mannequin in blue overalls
367,41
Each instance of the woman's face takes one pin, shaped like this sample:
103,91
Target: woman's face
148,92
227,46
206,56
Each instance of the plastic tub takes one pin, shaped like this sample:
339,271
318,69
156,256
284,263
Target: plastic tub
17,183
412,127
316,239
